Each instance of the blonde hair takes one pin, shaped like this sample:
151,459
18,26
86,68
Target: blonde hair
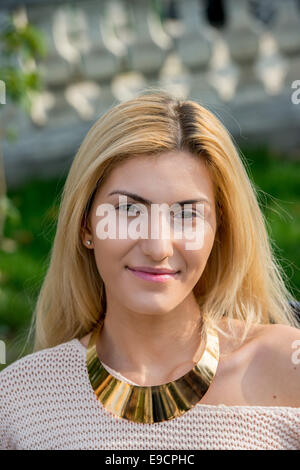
242,279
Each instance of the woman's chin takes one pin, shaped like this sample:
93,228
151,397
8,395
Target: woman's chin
150,307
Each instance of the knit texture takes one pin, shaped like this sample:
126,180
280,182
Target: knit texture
47,402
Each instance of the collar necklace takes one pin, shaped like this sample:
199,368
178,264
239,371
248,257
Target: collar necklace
156,403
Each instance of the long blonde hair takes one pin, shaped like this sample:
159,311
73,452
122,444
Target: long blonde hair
242,279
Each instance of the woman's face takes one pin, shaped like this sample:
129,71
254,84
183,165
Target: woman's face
168,178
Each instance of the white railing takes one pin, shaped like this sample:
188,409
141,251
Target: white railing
100,52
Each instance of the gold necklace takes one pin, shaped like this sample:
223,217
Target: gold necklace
156,403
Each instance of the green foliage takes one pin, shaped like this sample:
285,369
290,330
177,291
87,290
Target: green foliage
19,46
18,83
23,264
8,208
26,41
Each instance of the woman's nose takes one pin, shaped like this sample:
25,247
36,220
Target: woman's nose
159,242
158,249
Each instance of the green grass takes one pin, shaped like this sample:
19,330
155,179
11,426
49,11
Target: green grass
277,182
22,270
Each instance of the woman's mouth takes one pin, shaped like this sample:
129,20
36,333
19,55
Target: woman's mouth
154,277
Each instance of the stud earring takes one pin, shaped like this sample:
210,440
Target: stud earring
88,242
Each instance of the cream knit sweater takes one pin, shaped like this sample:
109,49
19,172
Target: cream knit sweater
47,402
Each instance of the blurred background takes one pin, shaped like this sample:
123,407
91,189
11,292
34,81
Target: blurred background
64,63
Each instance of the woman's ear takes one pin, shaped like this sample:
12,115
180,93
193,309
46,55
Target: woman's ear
87,239
86,235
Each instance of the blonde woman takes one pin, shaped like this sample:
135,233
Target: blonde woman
145,342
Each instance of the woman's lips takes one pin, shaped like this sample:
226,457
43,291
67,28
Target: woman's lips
154,277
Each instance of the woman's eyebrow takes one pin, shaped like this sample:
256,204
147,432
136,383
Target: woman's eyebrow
147,202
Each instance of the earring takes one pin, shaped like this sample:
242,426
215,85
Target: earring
88,242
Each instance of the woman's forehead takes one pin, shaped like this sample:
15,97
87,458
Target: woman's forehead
172,171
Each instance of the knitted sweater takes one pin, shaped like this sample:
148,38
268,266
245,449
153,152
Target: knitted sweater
47,402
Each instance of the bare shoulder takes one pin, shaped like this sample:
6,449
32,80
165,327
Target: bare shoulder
281,343
235,331
272,341
284,332
265,369
277,357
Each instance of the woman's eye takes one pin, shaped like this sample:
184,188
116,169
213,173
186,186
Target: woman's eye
124,207
188,215
134,209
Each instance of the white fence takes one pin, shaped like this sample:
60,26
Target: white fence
101,52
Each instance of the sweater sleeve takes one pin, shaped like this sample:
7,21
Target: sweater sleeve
7,378
20,383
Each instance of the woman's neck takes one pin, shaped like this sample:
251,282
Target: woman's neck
152,347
